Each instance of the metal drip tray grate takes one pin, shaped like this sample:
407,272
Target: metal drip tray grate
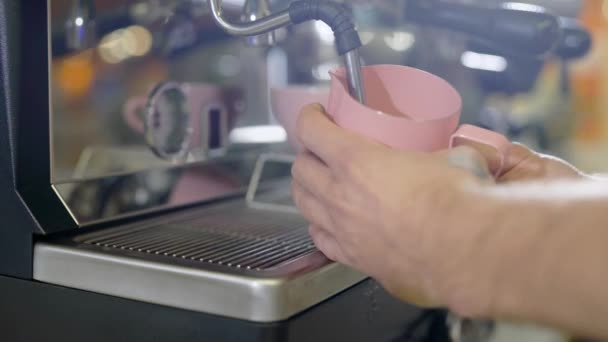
229,260
247,239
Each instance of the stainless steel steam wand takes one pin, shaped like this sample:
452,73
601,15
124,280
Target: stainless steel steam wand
331,13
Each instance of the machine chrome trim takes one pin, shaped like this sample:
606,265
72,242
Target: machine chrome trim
258,299
226,259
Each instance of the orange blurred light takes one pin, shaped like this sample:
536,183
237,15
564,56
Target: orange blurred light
76,74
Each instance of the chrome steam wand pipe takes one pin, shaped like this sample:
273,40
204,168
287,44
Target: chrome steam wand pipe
255,9
80,25
333,14
355,76
254,28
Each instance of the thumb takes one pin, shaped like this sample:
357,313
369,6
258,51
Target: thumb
522,163
526,164
497,164
519,162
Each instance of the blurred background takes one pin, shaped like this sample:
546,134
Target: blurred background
109,58
559,107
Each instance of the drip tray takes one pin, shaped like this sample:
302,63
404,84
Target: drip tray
228,260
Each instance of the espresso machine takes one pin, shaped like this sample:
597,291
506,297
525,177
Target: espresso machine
134,157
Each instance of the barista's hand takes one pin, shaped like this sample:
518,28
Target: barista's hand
386,212
524,164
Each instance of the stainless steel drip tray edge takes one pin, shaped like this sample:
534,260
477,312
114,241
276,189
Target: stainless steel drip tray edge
252,299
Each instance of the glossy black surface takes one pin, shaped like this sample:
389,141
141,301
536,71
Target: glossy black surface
17,225
31,112
33,311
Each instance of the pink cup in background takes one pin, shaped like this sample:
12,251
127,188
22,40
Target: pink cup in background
287,102
408,109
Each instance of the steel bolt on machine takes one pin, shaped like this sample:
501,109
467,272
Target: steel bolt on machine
135,189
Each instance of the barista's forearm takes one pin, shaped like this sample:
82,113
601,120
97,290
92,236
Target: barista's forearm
546,253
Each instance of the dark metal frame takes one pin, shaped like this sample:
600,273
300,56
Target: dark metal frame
33,138
27,198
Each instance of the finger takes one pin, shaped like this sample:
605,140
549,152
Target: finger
327,244
310,207
492,158
310,172
520,162
321,136
524,163
470,160
522,157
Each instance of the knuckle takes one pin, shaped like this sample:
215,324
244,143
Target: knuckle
466,152
350,168
350,258
299,198
475,155
348,162
295,193
296,168
336,194
306,208
294,190
301,203
318,238
313,231
326,247
469,159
